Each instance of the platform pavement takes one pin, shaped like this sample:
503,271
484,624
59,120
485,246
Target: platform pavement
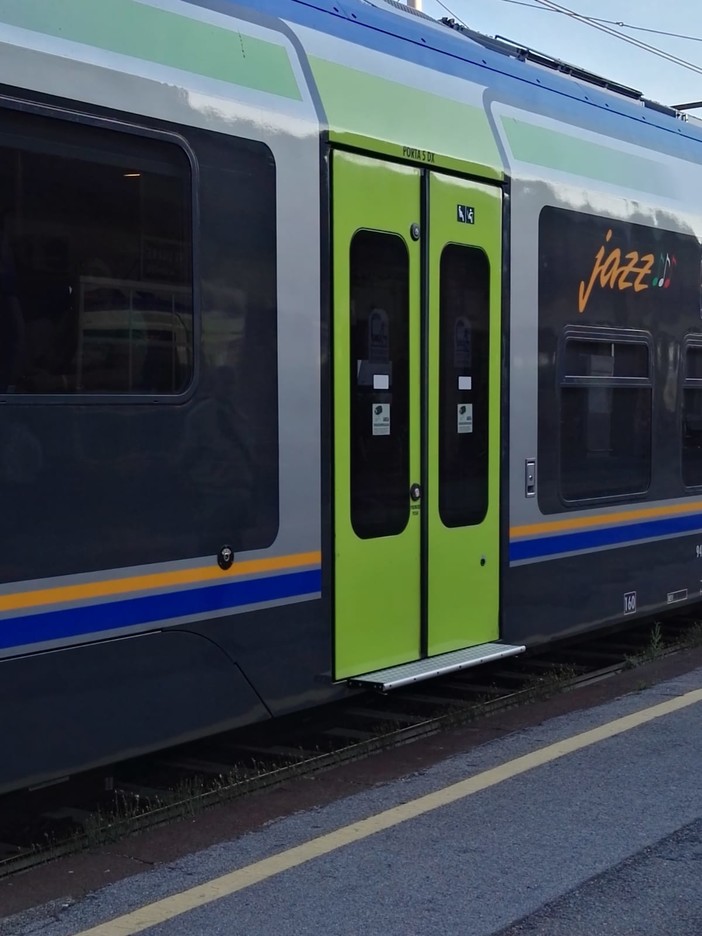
584,843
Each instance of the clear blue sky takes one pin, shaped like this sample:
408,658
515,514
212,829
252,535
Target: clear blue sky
528,22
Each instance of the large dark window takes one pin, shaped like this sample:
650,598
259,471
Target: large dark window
232,432
692,415
605,417
379,345
95,260
615,299
464,318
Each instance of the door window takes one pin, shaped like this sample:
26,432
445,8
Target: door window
464,311
379,347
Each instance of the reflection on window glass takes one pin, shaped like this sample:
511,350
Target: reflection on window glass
464,318
692,417
606,399
234,424
379,365
95,260
605,359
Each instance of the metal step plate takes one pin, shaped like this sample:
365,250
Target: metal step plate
407,673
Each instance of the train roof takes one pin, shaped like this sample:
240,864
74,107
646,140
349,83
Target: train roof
443,45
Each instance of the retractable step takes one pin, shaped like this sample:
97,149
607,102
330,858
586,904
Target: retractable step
407,673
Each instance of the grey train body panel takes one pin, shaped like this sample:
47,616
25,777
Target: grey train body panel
566,597
165,687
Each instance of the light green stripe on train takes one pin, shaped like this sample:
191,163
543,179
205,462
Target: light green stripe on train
366,110
399,120
165,38
551,149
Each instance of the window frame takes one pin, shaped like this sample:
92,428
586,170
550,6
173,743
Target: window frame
606,335
66,115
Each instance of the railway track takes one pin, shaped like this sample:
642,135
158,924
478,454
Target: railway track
103,806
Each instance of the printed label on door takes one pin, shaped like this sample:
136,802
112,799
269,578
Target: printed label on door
465,418
381,419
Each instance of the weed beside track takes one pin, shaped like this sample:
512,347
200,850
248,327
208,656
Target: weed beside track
108,805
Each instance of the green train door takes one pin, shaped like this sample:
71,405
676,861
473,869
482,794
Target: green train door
416,352
376,360
463,446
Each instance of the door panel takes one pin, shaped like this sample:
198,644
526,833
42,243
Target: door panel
376,411
464,406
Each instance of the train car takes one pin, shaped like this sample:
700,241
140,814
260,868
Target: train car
337,346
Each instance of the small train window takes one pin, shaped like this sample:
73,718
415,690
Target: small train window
464,344
379,392
692,416
606,392
95,260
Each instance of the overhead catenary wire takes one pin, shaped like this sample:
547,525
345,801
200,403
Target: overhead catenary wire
534,5
548,6
644,46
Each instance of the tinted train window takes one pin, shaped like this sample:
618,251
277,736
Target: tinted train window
464,312
692,417
379,398
95,260
234,423
605,418
608,280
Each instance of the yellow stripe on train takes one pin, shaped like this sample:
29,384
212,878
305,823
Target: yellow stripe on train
610,519
138,583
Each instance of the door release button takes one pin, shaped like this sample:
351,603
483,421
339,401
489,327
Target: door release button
415,492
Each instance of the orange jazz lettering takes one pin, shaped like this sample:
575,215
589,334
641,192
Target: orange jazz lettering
610,268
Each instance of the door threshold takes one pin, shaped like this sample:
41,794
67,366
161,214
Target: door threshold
396,676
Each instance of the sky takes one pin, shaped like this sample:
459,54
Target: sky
530,23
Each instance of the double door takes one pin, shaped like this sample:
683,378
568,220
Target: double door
416,384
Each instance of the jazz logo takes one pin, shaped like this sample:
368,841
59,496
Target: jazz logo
629,271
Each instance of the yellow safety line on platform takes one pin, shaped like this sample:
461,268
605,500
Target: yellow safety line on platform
178,904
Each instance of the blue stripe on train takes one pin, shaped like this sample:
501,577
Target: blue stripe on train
74,622
547,546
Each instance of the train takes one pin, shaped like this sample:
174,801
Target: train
339,347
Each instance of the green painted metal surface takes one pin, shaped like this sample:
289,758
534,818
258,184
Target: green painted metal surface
464,560
392,119
376,584
551,149
159,36
378,581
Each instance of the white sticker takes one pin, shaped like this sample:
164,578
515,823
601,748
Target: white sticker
381,419
381,381
465,383
465,418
